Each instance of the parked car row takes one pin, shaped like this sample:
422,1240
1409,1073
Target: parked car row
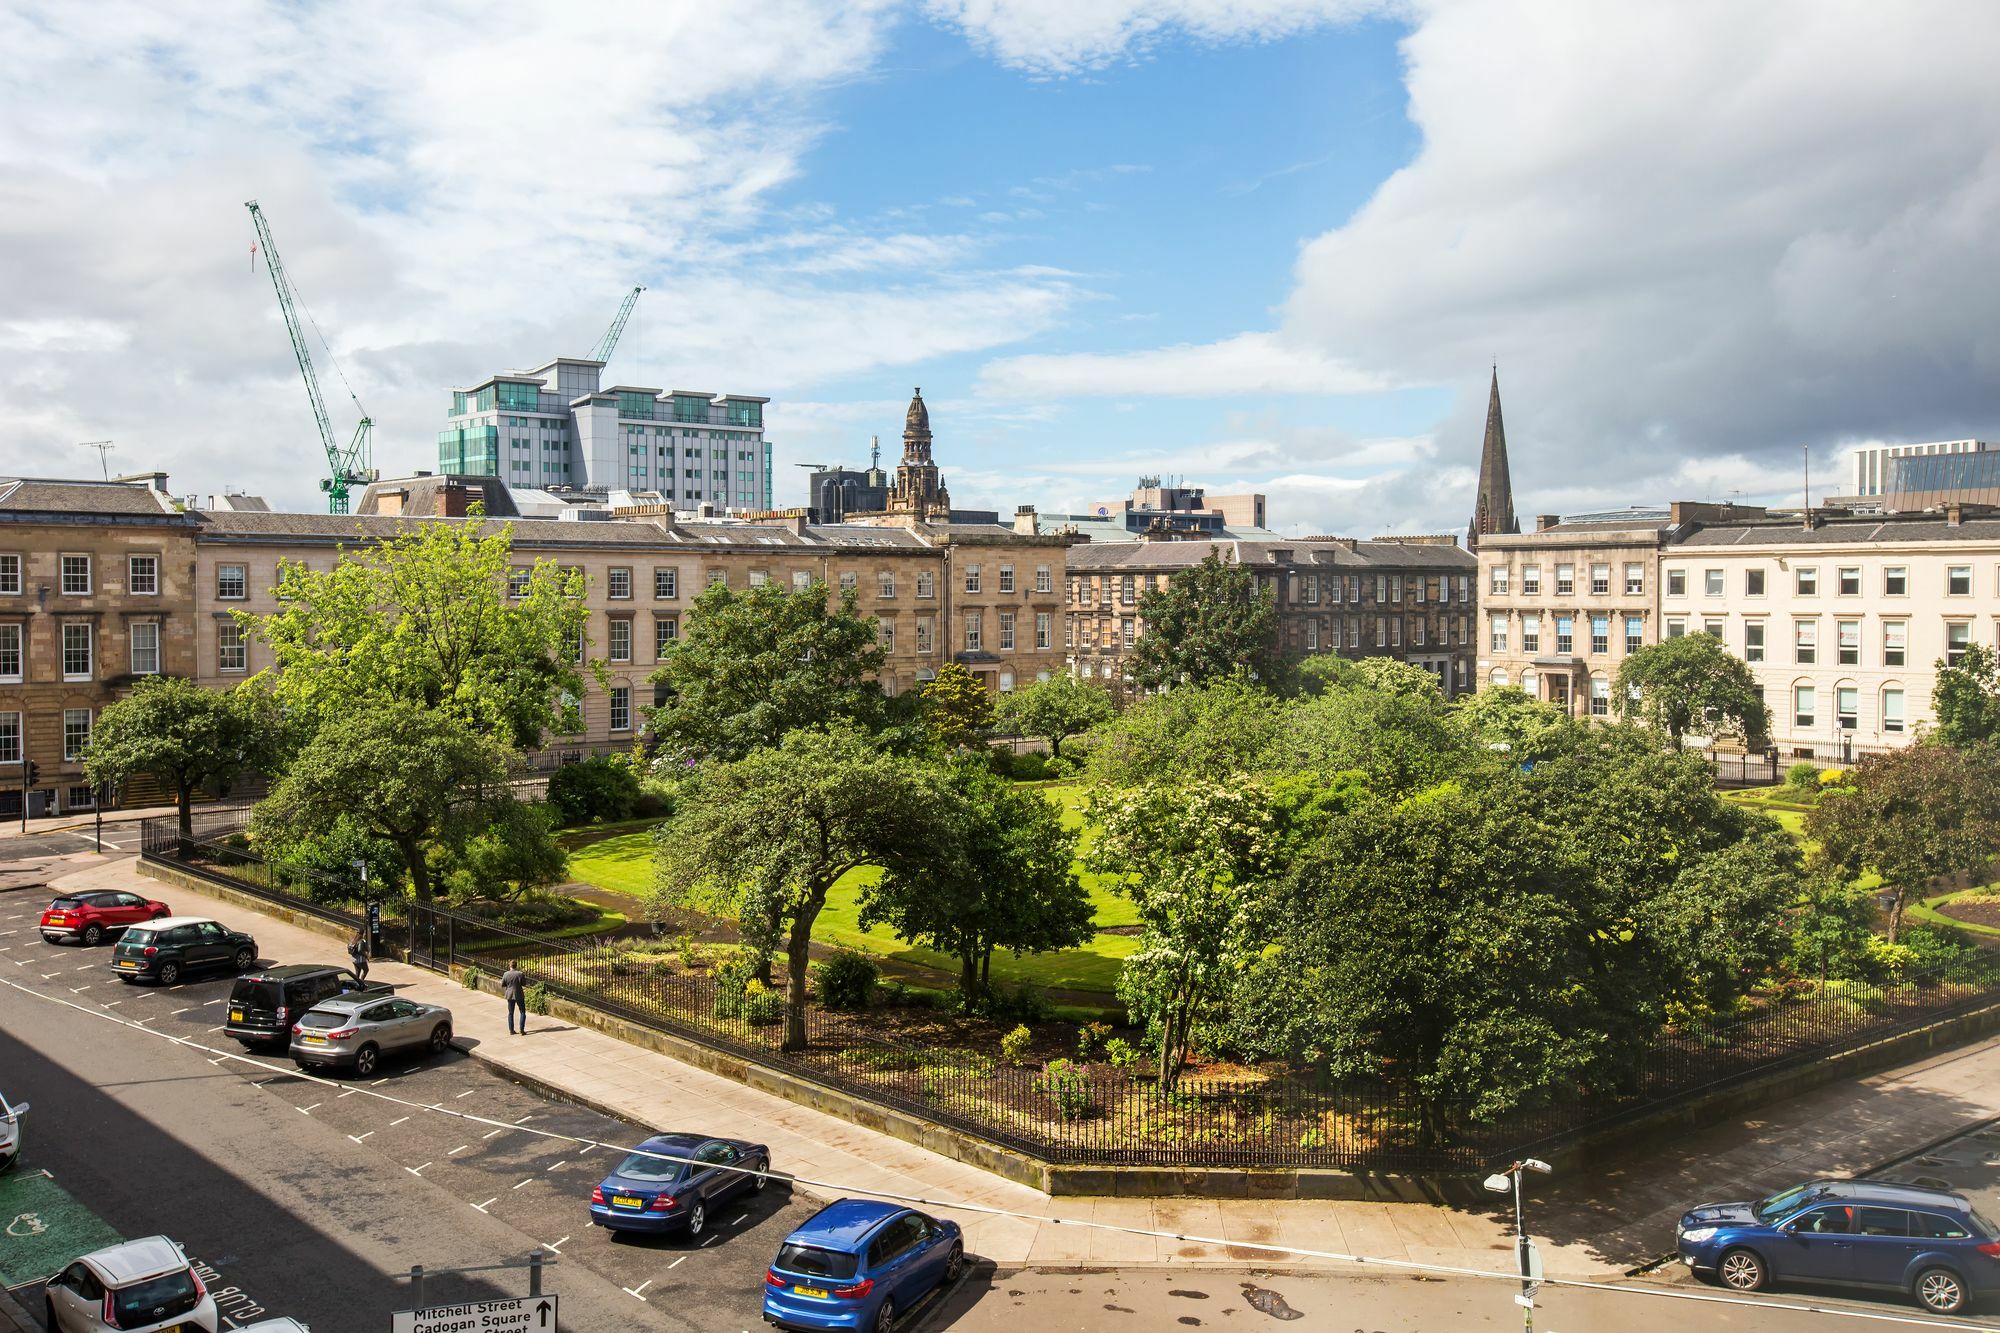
139,1286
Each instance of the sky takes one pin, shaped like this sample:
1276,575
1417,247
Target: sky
1272,245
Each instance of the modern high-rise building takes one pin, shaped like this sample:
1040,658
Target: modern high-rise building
554,426
1872,473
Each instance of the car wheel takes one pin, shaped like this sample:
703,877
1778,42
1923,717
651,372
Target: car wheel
1940,1291
954,1263
246,958
1741,1270
93,935
762,1178
169,973
441,1039
364,1060
697,1220
885,1316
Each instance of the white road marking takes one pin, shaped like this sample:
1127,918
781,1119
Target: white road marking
459,1149
349,1093
634,1291
205,1003
524,1120
394,1123
358,1137
529,1181
735,1220
85,968
418,1170
482,1206
468,1092
308,1110
678,1262
113,1004
501,1130
378,1082
710,1241
190,1009
47,975
564,1162
556,1247
78,990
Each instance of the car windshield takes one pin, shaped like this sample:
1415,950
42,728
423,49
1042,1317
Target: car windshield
65,904
320,1018
263,994
649,1166
812,1261
136,935
1777,1205
138,1302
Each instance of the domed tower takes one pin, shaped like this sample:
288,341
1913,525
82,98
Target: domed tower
918,489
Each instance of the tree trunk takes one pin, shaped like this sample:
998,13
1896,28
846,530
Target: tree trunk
184,798
968,976
1896,915
420,873
798,953
1055,747
986,968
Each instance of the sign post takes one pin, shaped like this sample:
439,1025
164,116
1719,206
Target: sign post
525,1314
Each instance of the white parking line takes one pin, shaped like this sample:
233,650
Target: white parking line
308,1110
47,975
190,1009
419,1170
394,1123
482,1206
468,1092
529,1181
206,1003
735,1220
459,1149
78,990
564,1162
556,1246
524,1120
85,968
678,1262
113,1004
634,1291
378,1082
710,1241
358,1137
490,1135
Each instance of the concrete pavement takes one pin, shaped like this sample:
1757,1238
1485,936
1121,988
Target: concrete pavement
1602,1226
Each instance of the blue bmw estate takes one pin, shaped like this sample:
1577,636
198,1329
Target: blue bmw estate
860,1264
672,1181
1930,1244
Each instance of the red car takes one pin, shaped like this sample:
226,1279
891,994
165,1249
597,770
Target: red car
89,917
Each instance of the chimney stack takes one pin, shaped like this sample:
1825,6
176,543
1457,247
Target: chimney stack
1543,522
1026,522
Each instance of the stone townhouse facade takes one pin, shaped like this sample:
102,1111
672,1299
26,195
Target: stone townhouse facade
95,594
1412,599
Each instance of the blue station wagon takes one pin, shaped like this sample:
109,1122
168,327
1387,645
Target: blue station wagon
1927,1243
671,1181
860,1264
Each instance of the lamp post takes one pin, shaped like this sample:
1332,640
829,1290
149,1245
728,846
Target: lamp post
1501,1182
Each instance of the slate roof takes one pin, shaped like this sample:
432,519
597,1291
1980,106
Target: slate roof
1885,530
40,496
548,534
1175,555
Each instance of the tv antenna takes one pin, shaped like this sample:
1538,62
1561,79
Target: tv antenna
104,448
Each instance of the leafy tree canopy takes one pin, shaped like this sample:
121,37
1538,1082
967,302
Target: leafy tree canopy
1693,685
1210,622
1213,730
1966,697
958,710
1056,709
1506,720
183,734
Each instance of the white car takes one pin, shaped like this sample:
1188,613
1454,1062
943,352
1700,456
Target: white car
10,1130
141,1286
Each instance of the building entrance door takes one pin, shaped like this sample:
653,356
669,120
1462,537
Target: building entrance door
1559,692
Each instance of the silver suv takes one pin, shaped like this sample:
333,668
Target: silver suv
357,1030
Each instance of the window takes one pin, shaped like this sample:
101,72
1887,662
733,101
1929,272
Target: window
1600,580
666,584
10,573
1499,639
1499,585
665,630
232,582
1677,583
10,738
1416,631
1753,583
1006,631
1847,642
1676,626
1312,590
801,580
573,645
145,647
1600,634
849,581
885,634
1892,709
621,708
1847,706
885,586
1805,642
926,584
1712,628
1395,631
10,652
1565,634
1006,578
1896,581
1531,634
1600,697
1128,630
1956,636
1635,580
1803,700
1711,583
230,652
1354,631
1041,629
1753,641
142,575
1069,631
1635,633
972,578
1531,579
76,732
1044,580
620,649
76,654
1806,582
974,633
76,575
1957,581
759,577
1895,642
715,577
1126,595
1382,632
1847,581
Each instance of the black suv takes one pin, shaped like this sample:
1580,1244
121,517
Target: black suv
263,1004
165,949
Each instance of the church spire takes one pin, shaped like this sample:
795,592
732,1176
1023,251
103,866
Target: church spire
1493,510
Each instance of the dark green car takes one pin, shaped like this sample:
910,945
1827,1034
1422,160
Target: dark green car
169,948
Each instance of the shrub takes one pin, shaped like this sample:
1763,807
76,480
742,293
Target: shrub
762,1006
1014,1046
1030,766
1063,766
536,997
1803,776
846,981
732,979
600,788
1121,1053
1089,1038
1065,1087
1829,776
1940,953
1001,759
894,993
538,912
470,977
1024,1004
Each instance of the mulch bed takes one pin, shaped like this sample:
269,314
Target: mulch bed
1977,913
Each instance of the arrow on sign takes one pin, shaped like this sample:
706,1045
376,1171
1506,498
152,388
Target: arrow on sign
543,1311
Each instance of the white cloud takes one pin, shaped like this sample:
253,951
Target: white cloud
1246,363
1053,37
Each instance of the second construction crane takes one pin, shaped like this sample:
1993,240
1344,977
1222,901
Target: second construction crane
609,342
347,466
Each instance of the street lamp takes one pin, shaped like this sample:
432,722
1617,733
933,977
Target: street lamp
1501,1182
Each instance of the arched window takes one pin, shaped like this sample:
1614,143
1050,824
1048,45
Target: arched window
1498,678
1600,695
1531,684
1892,707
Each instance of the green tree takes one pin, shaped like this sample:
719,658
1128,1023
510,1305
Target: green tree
1056,709
501,848
1914,816
1693,684
1191,857
182,734
1966,697
752,665
1398,731
1506,719
1206,731
1831,927
397,770
958,711
1006,879
429,616
1209,623
599,788
763,838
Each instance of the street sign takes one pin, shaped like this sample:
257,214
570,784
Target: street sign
527,1314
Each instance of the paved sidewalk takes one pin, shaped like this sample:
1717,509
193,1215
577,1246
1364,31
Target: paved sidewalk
1617,1219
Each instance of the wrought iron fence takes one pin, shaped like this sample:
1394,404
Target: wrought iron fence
1094,1112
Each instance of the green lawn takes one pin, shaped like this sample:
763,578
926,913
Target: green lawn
624,864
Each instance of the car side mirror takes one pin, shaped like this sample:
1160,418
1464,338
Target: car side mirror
1790,1228
18,1108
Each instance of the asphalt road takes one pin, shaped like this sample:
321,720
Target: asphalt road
314,1201
119,836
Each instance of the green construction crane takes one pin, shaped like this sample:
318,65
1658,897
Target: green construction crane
609,342
347,466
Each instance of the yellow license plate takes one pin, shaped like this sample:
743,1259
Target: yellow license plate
236,1015
315,1041
127,962
819,1292
628,1201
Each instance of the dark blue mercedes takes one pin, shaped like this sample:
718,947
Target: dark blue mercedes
671,1182
1929,1244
